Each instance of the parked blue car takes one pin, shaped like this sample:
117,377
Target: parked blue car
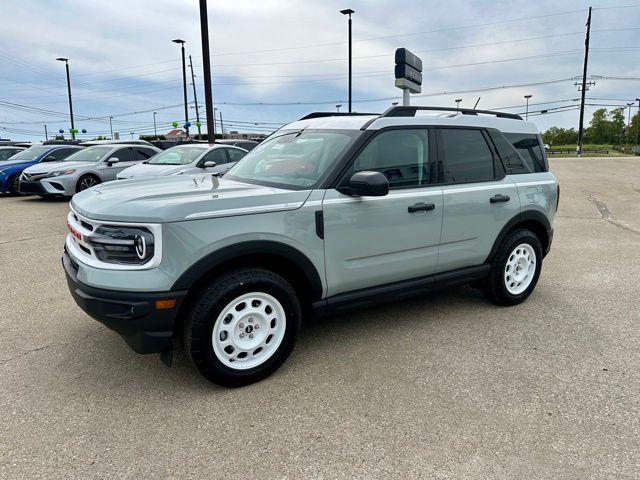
11,169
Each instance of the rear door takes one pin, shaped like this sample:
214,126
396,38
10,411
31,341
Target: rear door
478,198
373,241
217,155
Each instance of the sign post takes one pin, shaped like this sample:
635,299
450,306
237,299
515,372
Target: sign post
408,72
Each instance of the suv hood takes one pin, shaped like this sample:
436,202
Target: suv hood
145,169
175,198
53,166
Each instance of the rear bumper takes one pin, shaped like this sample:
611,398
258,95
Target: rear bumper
132,314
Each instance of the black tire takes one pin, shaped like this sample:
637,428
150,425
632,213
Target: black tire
495,287
209,304
85,180
14,189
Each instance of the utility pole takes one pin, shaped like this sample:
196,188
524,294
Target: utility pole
195,96
46,135
221,124
631,104
349,12
66,64
111,126
638,130
584,83
206,67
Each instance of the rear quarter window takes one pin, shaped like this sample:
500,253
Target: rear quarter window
530,148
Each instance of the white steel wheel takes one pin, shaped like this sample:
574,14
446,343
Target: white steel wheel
520,269
248,331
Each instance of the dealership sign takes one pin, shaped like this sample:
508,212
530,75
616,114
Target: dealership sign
408,71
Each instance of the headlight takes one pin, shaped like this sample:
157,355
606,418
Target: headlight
57,173
122,245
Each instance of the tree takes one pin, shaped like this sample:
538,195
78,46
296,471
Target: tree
616,126
560,136
599,128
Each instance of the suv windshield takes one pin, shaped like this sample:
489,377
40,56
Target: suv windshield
294,159
30,153
177,156
91,154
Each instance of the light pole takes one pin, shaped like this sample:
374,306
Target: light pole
111,126
184,84
131,135
629,105
348,11
46,135
458,100
221,124
338,107
66,64
526,115
155,130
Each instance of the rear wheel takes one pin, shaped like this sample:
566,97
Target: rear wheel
87,181
242,326
515,269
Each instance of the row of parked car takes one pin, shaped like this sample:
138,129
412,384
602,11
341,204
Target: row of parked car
61,170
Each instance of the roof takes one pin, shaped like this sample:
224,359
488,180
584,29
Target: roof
422,118
176,131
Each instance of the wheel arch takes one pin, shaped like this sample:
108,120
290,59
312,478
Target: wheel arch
532,220
280,258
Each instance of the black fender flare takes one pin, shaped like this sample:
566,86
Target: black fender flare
524,216
256,247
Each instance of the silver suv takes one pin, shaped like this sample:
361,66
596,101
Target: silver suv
329,213
82,170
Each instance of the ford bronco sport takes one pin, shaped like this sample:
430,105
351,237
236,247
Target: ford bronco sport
330,212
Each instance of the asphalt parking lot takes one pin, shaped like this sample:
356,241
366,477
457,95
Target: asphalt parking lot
444,386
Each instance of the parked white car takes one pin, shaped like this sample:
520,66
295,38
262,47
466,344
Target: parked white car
185,159
82,170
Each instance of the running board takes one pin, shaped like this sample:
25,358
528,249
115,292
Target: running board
391,292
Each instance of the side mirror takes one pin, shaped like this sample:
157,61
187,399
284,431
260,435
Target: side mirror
113,160
208,164
366,184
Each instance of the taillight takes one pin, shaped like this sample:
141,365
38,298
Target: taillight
557,196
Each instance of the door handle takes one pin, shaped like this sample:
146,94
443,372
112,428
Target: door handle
421,206
499,198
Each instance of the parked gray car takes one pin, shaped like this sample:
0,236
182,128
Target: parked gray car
328,213
82,170
7,152
189,158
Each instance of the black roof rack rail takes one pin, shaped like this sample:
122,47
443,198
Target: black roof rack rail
334,114
403,111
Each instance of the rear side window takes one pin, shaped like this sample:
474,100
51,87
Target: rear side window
466,156
511,160
400,155
62,153
216,155
530,149
145,153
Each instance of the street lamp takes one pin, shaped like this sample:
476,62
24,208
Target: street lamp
338,107
458,100
221,124
155,130
66,64
348,11
638,130
526,115
395,104
184,84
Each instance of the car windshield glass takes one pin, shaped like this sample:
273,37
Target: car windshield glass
177,156
91,154
30,153
296,159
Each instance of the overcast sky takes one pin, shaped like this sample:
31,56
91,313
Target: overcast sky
269,55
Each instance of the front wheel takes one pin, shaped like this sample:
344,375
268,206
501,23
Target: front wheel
14,189
515,269
87,181
242,326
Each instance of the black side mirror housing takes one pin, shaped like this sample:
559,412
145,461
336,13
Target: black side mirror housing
366,184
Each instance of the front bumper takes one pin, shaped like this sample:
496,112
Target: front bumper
131,314
49,186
